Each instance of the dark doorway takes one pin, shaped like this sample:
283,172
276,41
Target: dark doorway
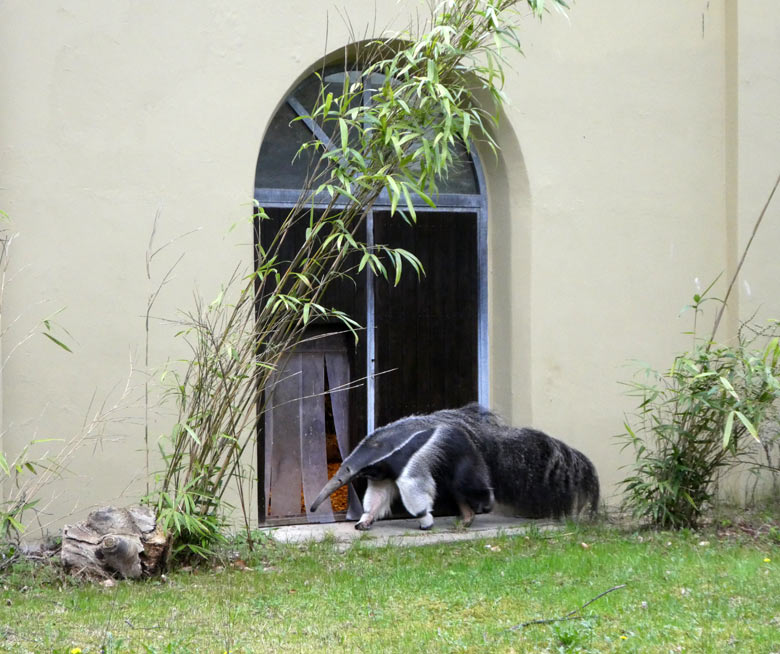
425,329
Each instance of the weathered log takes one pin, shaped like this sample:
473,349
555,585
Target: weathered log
114,542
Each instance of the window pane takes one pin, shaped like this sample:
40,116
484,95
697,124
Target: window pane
275,165
276,168
461,177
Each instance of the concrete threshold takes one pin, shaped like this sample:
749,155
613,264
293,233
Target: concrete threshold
407,532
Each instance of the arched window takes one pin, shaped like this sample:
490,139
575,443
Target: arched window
425,346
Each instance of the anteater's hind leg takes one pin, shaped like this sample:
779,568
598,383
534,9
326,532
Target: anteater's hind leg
471,489
418,493
586,489
466,514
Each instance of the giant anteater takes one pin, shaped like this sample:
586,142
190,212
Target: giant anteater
472,457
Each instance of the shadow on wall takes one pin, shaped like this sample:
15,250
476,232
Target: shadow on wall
509,275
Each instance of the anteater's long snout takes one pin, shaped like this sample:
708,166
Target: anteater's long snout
343,476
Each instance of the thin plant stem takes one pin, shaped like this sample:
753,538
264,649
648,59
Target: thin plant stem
742,260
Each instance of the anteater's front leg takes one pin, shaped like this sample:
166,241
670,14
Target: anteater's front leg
377,502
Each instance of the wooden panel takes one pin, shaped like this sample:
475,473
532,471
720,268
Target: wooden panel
314,464
338,378
296,466
337,366
267,445
284,479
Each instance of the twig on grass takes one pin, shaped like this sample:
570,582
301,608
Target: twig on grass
571,615
8,561
132,626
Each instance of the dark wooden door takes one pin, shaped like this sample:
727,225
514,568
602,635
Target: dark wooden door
426,334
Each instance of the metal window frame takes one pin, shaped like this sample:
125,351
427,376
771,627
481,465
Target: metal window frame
450,202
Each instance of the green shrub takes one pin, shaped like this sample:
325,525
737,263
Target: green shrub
703,415
194,532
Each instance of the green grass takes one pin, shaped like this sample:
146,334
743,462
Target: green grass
680,596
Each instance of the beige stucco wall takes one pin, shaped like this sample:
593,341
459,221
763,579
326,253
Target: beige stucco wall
619,187
620,113
756,127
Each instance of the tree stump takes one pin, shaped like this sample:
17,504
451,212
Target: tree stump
115,542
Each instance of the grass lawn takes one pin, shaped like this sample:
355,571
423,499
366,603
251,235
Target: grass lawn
685,592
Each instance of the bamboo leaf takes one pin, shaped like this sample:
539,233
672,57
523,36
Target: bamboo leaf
748,425
398,267
191,432
326,104
412,260
772,352
218,300
727,385
344,129
18,526
57,342
727,429
395,193
408,200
